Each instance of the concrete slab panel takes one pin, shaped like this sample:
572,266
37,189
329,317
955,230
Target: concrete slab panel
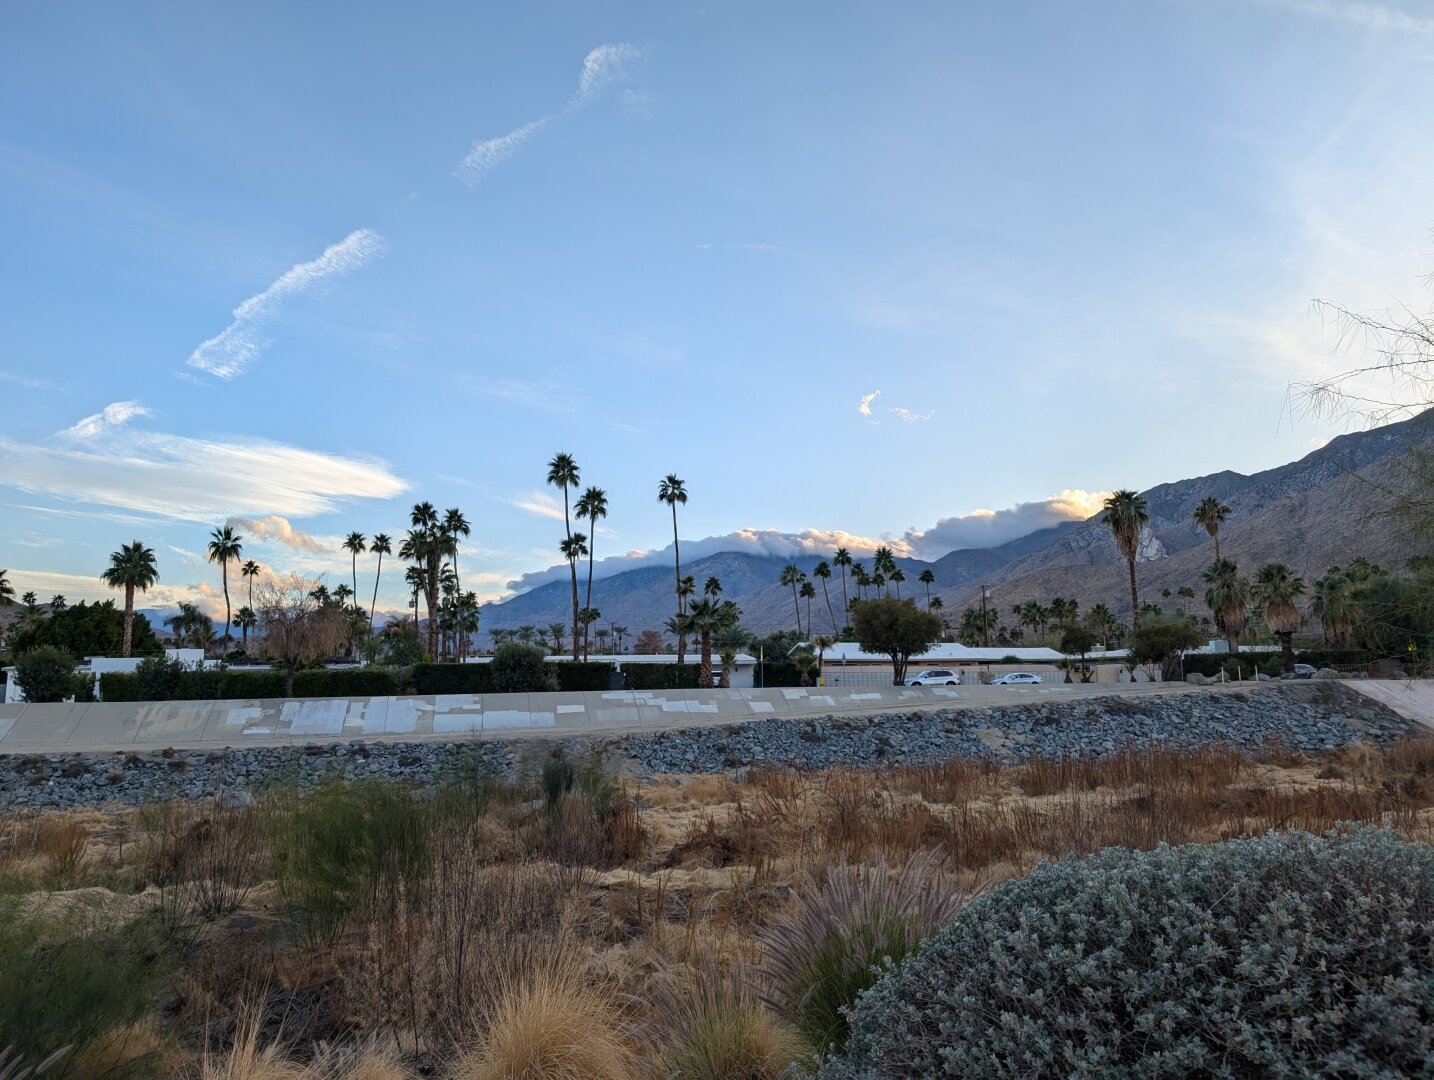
510,712
160,723
45,725
659,707
569,708
765,702
6,724
401,715
611,709
316,716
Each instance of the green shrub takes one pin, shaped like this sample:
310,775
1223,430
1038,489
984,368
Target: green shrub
660,676
346,682
453,678
45,674
73,977
522,669
584,675
820,956
160,679
778,673
156,678
333,847
1289,955
119,686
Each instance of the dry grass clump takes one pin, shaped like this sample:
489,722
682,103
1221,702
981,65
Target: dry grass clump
551,1025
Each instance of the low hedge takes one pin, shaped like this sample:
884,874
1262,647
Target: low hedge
453,678
220,685
661,676
585,675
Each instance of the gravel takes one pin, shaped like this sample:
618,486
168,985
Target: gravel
1307,717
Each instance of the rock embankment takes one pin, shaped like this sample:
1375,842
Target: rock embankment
1307,717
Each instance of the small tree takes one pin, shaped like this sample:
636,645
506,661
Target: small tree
45,674
1077,640
298,629
522,669
896,628
1160,639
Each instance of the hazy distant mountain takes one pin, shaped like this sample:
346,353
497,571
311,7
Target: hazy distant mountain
1310,513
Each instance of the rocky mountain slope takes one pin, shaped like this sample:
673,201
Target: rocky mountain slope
1310,513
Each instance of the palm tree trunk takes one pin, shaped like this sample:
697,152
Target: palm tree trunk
797,609
1287,647
1134,599
128,616
809,616
704,674
845,603
373,608
224,569
1216,538
677,578
588,603
835,629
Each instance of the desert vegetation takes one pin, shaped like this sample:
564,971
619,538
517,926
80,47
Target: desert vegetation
576,922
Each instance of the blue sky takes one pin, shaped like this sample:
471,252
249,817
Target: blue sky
931,272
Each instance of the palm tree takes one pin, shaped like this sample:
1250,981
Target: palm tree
927,578
1334,604
1126,515
883,564
224,544
250,570
455,528
414,578
1227,595
593,506
808,590
842,558
58,603
792,576
574,547
557,629
1212,513
618,633
380,545
707,617
823,572
897,577
1275,590
563,473
7,591
1100,619
427,546
247,620
131,567
355,545
861,577
673,491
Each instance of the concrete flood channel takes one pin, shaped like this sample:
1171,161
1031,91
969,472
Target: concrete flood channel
64,755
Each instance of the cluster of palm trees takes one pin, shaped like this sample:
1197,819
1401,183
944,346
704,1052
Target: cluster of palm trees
431,545
707,618
591,506
885,577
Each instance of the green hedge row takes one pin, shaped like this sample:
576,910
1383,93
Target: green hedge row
661,676
218,685
1273,662
478,678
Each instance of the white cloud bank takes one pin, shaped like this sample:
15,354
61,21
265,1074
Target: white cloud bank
978,529
239,344
601,67
188,479
279,529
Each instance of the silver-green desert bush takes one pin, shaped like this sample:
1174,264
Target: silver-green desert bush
1286,955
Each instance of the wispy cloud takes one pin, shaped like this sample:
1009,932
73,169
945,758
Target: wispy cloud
601,67
906,416
537,394
191,479
489,153
539,503
1374,16
278,528
29,382
239,344
863,406
107,419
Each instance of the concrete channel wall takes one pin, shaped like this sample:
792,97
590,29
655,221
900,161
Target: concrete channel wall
118,725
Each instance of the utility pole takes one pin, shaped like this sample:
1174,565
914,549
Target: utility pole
985,626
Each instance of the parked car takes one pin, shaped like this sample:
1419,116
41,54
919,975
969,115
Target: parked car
935,677
1305,671
1016,678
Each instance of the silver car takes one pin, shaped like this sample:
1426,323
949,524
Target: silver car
935,677
1017,678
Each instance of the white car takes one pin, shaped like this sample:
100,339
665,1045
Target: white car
1017,678
935,677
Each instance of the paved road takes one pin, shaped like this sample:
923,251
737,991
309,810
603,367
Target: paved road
201,724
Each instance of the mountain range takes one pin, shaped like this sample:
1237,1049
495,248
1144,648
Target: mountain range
1311,513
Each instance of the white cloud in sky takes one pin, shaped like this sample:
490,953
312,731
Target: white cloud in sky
601,67
906,416
863,406
111,416
541,504
978,529
1374,16
239,344
279,529
185,478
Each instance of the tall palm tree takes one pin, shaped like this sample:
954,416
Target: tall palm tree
793,577
673,491
456,528
861,577
1100,619
58,603
131,567
250,570
1227,595
897,577
842,558
883,564
355,545
1276,588
593,506
1126,515
823,572
225,544
1212,513
1334,604
413,577
7,591
927,578
618,633
380,545
808,591
247,619
574,547
563,473
557,629
706,618
427,547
